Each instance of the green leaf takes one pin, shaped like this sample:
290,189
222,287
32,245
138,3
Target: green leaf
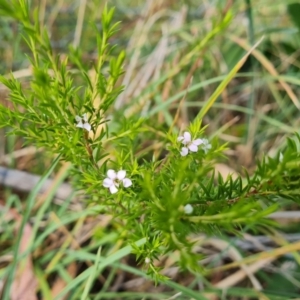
294,12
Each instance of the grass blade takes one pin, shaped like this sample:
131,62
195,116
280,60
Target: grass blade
224,83
29,206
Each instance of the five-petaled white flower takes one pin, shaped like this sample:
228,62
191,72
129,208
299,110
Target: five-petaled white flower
82,122
206,145
114,179
190,145
188,209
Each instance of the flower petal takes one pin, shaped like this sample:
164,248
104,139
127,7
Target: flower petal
111,174
87,126
107,182
121,174
187,137
188,209
80,125
127,182
184,151
206,147
197,142
85,118
113,189
180,138
78,119
193,148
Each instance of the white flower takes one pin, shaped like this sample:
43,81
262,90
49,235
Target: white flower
188,209
114,179
83,122
280,157
190,145
147,260
206,145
